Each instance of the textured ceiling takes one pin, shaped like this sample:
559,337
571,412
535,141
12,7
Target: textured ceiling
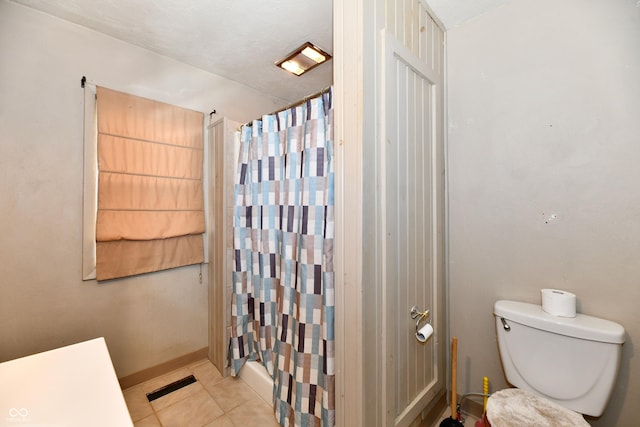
453,13
237,39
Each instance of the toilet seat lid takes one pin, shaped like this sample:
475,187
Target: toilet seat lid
513,407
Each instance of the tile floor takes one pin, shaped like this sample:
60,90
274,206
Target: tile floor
212,401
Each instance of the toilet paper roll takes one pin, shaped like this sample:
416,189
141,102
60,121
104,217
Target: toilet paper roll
559,303
424,333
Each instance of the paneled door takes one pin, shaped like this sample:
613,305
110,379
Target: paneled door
412,244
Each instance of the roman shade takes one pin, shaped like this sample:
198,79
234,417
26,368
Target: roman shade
150,194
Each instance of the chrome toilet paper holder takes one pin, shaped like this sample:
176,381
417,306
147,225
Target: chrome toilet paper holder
420,316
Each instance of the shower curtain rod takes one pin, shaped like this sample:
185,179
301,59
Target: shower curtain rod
297,103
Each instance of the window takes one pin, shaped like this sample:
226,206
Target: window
148,211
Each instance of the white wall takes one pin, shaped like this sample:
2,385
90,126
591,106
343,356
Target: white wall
544,119
44,303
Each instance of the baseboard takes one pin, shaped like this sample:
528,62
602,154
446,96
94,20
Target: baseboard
473,408
163,368
432,413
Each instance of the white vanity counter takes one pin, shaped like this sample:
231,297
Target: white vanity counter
66,387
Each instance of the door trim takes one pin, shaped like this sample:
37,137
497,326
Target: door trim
348,140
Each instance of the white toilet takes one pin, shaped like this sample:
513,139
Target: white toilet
561,366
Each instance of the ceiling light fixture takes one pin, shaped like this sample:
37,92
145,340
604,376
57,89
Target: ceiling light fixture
303,59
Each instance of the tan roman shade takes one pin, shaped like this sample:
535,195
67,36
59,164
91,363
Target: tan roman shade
150,192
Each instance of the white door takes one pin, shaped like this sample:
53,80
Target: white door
389,210
412,246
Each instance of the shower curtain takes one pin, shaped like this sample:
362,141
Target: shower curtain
283,296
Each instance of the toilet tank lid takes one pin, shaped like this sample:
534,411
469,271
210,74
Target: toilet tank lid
581,326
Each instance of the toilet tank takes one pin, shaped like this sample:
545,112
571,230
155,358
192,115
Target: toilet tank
572,361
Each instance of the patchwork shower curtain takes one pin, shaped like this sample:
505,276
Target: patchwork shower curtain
283,296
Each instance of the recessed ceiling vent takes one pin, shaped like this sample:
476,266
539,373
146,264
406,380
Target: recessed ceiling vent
303,59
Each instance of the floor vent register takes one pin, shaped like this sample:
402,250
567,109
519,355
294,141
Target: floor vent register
170,388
